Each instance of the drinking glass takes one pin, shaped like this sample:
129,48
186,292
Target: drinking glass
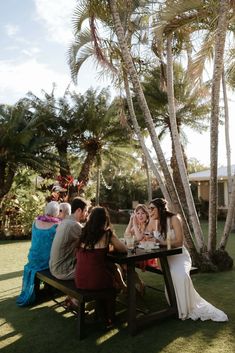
130,242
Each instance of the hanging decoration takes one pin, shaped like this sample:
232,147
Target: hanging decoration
104,182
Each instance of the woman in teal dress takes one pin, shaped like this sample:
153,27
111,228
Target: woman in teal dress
43,232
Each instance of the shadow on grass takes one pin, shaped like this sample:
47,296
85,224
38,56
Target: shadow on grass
11,275
45,328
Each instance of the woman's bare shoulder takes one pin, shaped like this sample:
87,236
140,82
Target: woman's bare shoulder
176,219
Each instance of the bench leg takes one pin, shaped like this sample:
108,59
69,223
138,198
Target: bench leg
81,319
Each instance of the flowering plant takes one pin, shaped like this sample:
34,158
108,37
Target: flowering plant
65,182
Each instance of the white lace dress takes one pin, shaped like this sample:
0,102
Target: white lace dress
190,304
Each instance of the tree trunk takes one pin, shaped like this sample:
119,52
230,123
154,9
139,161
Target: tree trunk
84,174
149,184
178,151
229,218
141,140
62,151
227,138
7,174
178,182
97,198
217,72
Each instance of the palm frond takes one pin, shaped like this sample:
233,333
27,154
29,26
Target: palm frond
205,53
81,13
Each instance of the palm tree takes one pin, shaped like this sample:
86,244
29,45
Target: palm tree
101,135
217,74
146,113
213,25
22,143
86,126
126,61
59,124
182,21
191,106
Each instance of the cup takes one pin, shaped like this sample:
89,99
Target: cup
156,234
130,242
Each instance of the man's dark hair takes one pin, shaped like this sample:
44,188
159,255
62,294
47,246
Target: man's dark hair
78,202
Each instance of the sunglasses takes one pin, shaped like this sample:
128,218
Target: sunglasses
151,208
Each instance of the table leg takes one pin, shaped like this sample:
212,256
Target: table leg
169,284
131,310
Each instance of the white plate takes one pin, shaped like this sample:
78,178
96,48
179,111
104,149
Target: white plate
140,246
154,247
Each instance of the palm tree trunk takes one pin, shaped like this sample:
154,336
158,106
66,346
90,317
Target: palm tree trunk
229,218
6,178
178,182
227,138
217,72
178,151
141,140
84,174
149,185
62,151
97,198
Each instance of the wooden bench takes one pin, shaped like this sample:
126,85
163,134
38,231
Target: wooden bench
152,269
193,270
83,296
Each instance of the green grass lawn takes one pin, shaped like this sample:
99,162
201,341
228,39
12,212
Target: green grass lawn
46,328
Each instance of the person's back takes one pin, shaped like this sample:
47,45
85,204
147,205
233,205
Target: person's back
62,258
42,239
93,269
43,232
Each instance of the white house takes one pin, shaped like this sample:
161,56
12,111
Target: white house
202,179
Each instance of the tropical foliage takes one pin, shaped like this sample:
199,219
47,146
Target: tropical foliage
21,205
21,144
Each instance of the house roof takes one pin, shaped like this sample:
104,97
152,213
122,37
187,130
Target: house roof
205,174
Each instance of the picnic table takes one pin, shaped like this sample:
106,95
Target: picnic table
130,259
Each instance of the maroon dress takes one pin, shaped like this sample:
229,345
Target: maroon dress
93,270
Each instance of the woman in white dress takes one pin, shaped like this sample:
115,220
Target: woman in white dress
169,229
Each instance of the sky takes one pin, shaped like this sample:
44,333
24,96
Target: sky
34,38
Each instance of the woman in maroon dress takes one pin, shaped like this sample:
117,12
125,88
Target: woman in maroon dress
93,270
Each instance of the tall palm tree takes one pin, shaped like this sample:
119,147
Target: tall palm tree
216,81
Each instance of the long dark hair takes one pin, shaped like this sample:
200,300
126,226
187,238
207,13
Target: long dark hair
97,225
161,205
